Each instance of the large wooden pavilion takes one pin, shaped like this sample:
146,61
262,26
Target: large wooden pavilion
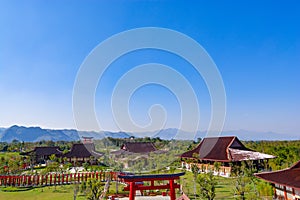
226,150
83,152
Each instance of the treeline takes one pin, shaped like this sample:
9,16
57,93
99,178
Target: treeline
18,146
287,152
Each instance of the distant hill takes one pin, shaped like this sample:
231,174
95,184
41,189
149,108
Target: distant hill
173,133
34,134
168,134
2,131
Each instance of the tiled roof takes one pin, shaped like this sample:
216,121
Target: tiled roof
224,149
83,151
45,151
212,148
288,177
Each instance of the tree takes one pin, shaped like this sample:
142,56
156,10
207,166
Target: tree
264,189
85,165
92,188
207,183
52,166
244,182
75,190
195,171
83,187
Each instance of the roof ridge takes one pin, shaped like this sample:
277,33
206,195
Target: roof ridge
229,157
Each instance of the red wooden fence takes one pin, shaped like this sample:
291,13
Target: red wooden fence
54,178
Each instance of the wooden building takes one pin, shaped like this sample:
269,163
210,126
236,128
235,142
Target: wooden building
136,151
227,151
83,152
286,182
79,153
40,155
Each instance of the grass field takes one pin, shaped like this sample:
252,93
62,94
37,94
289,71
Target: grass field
45,193
8,155
224,190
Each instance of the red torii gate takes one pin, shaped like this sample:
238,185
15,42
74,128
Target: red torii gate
132,180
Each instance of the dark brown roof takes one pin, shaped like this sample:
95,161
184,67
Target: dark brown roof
138,147
288,177
224,149
83,151
45,151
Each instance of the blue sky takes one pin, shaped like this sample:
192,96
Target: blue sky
255,45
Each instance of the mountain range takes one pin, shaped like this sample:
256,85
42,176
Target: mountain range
34,134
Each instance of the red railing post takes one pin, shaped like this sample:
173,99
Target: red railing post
54,179
58,181
67,178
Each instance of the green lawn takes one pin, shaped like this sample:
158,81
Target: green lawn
45,193
8,155
224,189
49,193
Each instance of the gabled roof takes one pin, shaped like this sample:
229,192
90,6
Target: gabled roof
83,151
45,151
224,149
288,177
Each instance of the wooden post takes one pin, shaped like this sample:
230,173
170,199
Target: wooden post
58,178
285,194
5,180
9,180
29,180
37,179
172,190
54,179
293,192
50,179
132,191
